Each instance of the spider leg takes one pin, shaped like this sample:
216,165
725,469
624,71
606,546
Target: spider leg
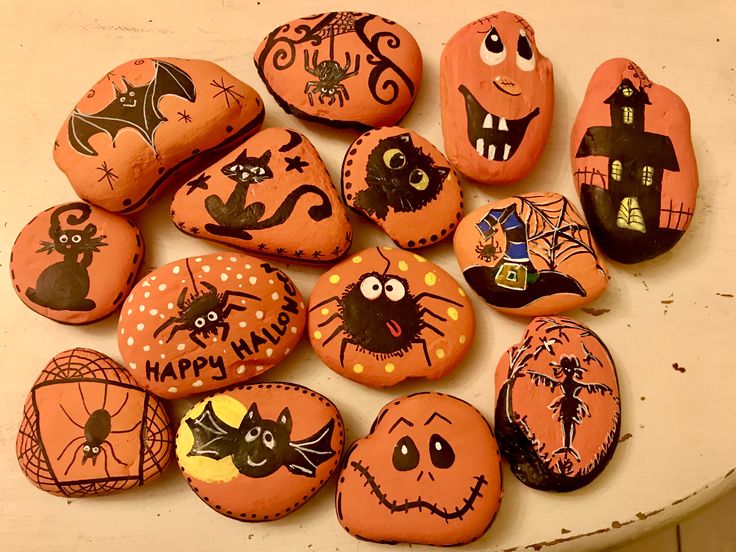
196,339
431,327
332,99
169,322
423,343
66,447
73,459
315,59
112,451
344,346
243,294
354,71
321,303
429,312
79,386
104,465
127,430
337,331
330,319
306,62
321,97
338,94
127,395
226,311
104,398
180,301
347,61
341,88
311,98
176,329
70,418
438,297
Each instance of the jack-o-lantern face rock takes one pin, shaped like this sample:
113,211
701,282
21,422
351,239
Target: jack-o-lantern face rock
384,315
497,96
428,473
207,322
633,163
402,183
558,408
530,254
342,68
75,263
273,195
258,452
149,122
89,430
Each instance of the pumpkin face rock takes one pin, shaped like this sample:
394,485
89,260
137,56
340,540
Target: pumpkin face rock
342,69
89,430
272,196
402,183
149,122
428,473
75,263
497,97
385,315
258,452
530,254
558,408
633,163
202,323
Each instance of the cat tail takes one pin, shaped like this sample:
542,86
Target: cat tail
316,212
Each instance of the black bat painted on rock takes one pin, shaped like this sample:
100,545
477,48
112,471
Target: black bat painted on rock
260,447
135,107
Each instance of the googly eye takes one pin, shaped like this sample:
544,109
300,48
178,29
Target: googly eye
395,290
371,288
525,59
76,238
252,435
492,51
268,440
394,159
212,316
63,238
200,322
86,448
419,179
95,450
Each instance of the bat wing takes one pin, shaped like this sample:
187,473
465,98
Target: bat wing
82,126
168,80
307,454
213,438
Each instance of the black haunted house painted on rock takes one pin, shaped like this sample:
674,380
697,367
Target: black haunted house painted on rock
625,216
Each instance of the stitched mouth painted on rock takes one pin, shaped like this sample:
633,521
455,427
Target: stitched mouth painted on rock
493,137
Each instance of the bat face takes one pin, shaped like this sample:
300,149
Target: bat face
262,446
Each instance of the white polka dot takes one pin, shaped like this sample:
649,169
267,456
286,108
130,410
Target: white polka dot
146,295
205,268
269,352
247,267
153,312
181,347
163,355
146,283
275,296
162,287
170,306
270,282
233,259
198,260
142,308
241,369
131,341
176,269
132,365
301,304
219,257
223,277
242,301
130,298
172,389
140,327
239,276
153,278
122,331
242,324
259,368
197,383
287,351
228,268
183,281
252,280
146,348
160,341
259,315
214,340
294,329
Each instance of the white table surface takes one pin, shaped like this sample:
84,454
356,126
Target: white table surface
681,452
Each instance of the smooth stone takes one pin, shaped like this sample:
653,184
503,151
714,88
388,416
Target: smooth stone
428,472
558,407
497,99
398,180
384,315
272,196
89,430
282,443
150,122
344,69
75,263
633,163
530,255
202,323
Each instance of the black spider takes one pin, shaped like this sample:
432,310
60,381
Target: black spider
330,75
489,251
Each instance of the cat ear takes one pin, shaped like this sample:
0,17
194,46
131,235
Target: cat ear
242,156
405,138
442,172
252,416
128,86
90,230
284,419
265,157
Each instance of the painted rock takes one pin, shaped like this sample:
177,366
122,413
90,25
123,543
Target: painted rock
259,452
497,97
207,322
272,196
75,263
149,122
385,315
345,69
401,182
530,254
633,163
428,472
89,430
558,408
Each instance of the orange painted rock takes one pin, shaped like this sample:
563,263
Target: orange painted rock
530,254
633,163
342,68
401,182
259,452
558,408
89,430
149,122
207,322
429,473
272,196
497,97
384,315
75,263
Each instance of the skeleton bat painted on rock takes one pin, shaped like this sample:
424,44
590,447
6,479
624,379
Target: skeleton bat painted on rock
260,447
135,107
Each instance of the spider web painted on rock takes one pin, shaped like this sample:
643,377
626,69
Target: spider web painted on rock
341,23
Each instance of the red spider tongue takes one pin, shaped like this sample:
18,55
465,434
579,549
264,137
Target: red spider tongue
394,328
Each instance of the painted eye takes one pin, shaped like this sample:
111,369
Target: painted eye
524,54
406,455
395,290
440,452
122,99
131,93
212,316
419,179
76,238
200,322
371,288
63,238
95,450
394,159
268,439
252,435
261,171
86,448
492,51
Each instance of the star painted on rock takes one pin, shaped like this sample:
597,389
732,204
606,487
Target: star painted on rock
184,116
317,254
198,183
107,174
295,164
262,246
299,253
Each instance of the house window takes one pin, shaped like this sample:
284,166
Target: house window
616,170
647,175
628,115
627,91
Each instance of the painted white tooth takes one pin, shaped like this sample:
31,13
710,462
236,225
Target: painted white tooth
488,121
479,146
502,124
506,151
491,152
